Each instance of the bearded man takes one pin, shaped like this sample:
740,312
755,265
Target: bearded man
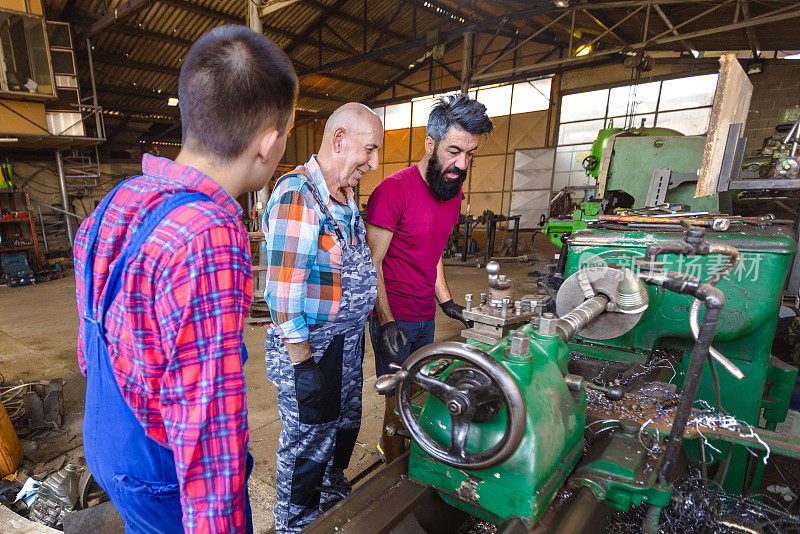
409,218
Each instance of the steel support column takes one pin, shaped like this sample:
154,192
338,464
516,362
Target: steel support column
466,65
62,182
253,17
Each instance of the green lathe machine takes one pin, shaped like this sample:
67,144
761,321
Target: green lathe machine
610,399
652,361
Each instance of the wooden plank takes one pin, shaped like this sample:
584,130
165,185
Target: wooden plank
731,104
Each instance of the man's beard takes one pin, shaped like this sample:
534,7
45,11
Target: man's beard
441,187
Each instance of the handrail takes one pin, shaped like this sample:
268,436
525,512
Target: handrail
60,210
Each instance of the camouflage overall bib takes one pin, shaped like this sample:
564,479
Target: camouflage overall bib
316,441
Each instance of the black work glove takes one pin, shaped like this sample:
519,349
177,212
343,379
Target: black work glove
456,311
393,338
309,382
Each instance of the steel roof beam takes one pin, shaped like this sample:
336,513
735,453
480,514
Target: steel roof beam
784,13
314,25
123,10
334,10
751,34
422,42
686,44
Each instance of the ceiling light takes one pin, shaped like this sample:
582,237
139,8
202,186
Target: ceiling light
792,56
172,101
583,50
562,3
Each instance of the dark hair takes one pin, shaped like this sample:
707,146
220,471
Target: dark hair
461,110
233,84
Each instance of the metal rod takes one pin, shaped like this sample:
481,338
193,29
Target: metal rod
466,64
609,30
751,36
515,237
686,44
571,33
62,182
540,30
572,322
100,132
41,222
465,248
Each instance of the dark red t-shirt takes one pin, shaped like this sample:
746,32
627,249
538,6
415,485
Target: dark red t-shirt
421,224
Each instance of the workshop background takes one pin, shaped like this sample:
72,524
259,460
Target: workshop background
89,86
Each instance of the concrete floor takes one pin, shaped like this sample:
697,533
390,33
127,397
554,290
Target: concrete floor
38,329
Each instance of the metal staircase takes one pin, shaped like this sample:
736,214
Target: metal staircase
82,170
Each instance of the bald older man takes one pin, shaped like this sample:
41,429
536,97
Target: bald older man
321,286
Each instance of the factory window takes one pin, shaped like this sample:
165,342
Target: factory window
500,100
533,95
520,114
379,112
24,56
398,116
496,99
682,104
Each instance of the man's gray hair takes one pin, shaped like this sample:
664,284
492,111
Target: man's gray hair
460,110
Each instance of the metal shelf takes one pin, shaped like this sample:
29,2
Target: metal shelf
23,221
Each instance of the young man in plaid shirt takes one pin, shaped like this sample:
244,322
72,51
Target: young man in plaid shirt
163,285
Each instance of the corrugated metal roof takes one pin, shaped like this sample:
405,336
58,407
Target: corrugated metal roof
141,52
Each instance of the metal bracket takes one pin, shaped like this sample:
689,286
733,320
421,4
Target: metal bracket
662,181
732,157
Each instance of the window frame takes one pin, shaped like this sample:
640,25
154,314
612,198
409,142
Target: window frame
24,95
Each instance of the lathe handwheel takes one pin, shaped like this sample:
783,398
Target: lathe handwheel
462,404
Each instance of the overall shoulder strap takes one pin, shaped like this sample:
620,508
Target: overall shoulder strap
91,242
301,171
133,247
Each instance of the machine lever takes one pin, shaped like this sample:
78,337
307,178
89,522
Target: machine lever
386,384
613,393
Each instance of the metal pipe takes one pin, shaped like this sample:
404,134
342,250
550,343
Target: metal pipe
465,247
41,221
714,300
694,324
572,322
791,131
694,311
101,134
62,182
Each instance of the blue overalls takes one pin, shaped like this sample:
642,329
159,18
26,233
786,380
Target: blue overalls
136,472
316,441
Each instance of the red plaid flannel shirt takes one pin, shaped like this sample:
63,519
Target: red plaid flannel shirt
175,331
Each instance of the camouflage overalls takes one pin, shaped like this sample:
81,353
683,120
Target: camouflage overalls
313,442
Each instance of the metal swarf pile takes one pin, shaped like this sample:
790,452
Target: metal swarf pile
698,505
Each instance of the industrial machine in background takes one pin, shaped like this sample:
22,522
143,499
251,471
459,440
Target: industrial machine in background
778,156
462,244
